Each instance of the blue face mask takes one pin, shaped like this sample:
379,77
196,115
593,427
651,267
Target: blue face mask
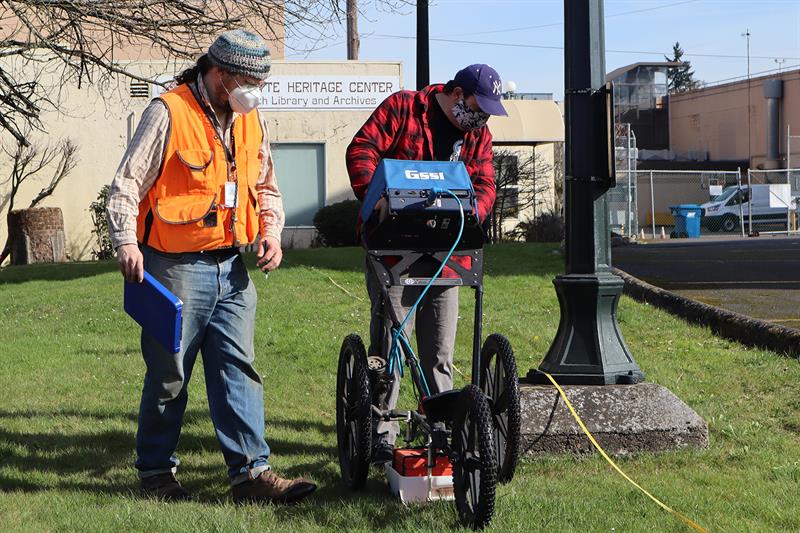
468,119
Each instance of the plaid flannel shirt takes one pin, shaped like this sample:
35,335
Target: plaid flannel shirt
398,129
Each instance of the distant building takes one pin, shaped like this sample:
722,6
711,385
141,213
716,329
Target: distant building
509,95
528,144
714,124
640,99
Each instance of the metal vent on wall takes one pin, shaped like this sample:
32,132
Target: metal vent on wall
139,89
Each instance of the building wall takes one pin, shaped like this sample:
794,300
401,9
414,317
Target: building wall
532,128
333,128
714,120
271,27
543,186
101,121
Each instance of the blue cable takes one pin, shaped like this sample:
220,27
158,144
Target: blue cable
397,333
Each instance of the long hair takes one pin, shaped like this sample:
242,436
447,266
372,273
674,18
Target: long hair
190,74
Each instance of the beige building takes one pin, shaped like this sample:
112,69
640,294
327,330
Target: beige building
533,132
313,110
714,120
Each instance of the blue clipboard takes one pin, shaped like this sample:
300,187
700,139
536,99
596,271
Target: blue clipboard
157,310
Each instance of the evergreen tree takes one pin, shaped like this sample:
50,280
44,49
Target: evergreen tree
680,78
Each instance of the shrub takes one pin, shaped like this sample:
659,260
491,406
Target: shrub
103,248
544,228
336,223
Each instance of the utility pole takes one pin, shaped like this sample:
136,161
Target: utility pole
423,46
353,42
589,348
747,34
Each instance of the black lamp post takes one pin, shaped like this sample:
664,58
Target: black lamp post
588,348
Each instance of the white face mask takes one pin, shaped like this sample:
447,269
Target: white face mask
243,99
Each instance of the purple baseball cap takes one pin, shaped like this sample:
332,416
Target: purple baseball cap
484,82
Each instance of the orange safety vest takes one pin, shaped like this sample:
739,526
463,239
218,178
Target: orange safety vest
184,210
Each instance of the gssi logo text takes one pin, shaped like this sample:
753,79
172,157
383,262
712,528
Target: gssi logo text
415,175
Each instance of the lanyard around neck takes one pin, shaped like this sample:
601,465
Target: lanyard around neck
230,153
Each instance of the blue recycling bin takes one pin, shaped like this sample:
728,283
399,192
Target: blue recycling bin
687,220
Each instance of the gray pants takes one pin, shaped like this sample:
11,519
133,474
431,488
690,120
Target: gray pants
436,321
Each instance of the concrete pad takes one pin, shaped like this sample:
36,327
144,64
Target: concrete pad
624,419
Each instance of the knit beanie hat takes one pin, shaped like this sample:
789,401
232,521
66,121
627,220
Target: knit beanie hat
241,52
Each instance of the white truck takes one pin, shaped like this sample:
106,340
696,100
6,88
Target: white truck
768,204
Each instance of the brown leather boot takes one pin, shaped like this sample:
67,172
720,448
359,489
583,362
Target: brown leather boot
269,488
164,487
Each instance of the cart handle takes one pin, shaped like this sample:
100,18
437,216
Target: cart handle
394,351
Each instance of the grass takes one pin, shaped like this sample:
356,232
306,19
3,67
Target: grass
71,372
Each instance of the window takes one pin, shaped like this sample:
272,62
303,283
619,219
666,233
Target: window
742,198
506,168
300,168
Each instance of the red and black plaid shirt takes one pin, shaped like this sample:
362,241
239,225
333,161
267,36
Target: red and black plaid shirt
398,129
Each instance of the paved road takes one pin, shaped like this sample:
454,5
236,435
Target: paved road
758,277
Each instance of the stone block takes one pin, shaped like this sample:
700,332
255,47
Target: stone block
625,420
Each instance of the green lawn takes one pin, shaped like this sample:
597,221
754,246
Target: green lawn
71,372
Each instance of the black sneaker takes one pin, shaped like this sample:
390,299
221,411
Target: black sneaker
164,487
382,453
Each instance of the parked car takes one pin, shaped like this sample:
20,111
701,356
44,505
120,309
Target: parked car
723,212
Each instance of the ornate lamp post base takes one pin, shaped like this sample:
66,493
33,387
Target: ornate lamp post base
589,348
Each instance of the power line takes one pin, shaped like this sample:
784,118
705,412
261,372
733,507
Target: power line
552,24
305,53
549,47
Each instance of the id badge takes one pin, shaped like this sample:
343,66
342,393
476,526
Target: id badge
230,194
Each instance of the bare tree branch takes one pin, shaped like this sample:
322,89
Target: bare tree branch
523,186
90,39
28,160
66,165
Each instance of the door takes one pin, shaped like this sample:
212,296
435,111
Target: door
300,169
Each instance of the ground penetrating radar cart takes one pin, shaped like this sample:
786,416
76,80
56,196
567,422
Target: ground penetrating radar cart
425,211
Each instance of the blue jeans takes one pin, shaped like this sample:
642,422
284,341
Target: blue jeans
219,306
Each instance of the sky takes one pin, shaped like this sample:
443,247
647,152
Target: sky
523,39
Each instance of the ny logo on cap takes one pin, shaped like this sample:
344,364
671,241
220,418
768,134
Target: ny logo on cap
497,87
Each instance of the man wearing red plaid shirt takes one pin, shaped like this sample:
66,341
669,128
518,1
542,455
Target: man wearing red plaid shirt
439,123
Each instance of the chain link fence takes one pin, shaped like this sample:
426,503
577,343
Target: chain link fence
655,195
682,203
645,202
770,204
622,198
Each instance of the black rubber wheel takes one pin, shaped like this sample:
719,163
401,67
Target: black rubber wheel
353,413
500,383
472,455
730,223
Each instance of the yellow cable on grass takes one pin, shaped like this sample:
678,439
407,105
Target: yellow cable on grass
694,525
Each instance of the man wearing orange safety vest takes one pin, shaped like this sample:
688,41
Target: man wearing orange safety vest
195,184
